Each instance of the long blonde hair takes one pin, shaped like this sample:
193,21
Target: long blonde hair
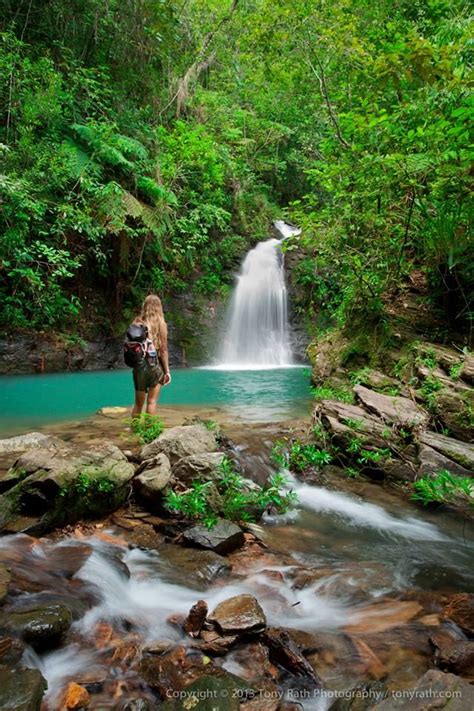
152,315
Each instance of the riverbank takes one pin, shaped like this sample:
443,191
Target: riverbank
109,610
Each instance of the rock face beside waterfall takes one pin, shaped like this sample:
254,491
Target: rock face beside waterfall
401,429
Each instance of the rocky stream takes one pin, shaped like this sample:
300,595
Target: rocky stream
356,599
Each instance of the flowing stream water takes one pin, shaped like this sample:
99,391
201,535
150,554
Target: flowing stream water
358,551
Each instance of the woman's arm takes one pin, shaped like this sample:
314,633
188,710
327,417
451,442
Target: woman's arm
164,353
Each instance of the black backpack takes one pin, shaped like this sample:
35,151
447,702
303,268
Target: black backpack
134,346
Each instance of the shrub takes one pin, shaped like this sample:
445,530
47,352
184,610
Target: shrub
230,496
444,488
300,456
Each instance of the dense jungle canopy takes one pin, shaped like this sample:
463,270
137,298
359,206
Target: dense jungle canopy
147,143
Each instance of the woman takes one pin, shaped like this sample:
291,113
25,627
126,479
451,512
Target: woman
154,371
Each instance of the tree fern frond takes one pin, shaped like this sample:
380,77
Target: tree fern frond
130,147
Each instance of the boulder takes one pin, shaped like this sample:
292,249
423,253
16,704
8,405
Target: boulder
155,477
460,609
453,409
198,466
191,567
460,452
457,658
21,689
223,538
179,442
62,484
394,410
241,613
431,462
42,626
435,690
32,440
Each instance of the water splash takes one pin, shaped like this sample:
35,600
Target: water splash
257,329
362,513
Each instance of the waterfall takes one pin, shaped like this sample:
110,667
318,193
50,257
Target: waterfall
256,333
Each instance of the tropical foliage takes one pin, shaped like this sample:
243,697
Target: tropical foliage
145,144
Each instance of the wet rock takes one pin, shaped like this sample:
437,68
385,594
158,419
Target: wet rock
21,689
241,613
41,627
190,566
214,643
67,559
62,484
5,577
151,481
432,462
172,670
11,650
144,536
75,697
32,440
222,538
284,651
198,466
196,618
396,410
179,442
460,452
457,658
113,412
460,609
361,697
435,690
209,693
356,581
382,616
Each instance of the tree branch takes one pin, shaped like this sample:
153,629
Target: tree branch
200,64
324,93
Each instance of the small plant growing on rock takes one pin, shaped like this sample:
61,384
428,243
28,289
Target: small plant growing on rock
430,387
444,488
147,427
231,497
300,456
456,370
327,393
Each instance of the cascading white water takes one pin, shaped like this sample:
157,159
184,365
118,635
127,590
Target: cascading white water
257,333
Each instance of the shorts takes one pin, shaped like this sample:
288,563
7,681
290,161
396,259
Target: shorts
147,376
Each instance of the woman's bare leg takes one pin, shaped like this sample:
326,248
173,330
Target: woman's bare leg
140,396
153,394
